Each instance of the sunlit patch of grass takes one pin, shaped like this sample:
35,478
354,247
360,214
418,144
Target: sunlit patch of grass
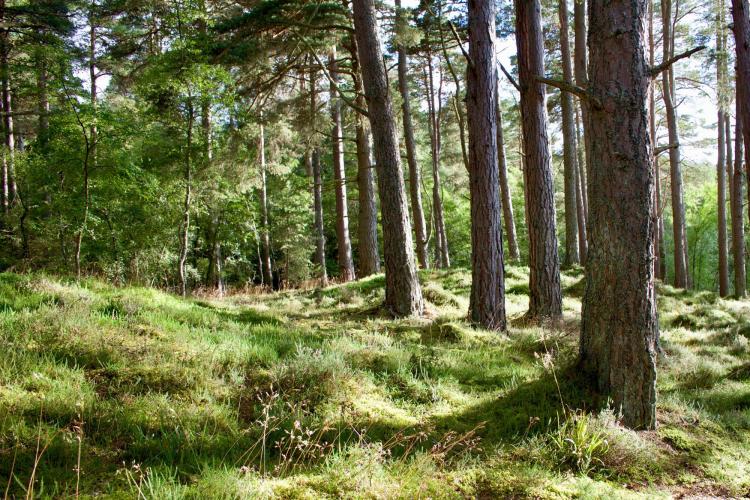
202,398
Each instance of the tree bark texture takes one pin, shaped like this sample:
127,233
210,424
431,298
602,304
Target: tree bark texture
403,294
415,184
346,263
487,300
619,328
545,297
738,223
572,253
678,203
265,238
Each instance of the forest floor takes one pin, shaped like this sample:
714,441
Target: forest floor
132,392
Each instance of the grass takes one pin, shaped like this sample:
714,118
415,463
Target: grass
131,392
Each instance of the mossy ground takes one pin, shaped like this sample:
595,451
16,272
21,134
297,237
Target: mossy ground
310,394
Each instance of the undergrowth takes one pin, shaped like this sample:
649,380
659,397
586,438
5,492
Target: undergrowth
131,392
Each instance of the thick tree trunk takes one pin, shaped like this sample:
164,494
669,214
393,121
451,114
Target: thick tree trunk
545,297
415,184
681,279
738,226
403,295
505,197
572,253
721,166
346,263
265,238
619,327
487,301
741,27
367,228
442,254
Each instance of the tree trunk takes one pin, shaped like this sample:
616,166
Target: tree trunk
367,228
415,184
741,27
572,253
320,238
317,175
722,206
505,197
678,204
580,69
581,196
185,226
738,226
8,177
403,295
619,327
660,255
545,297
442,254
724,147
265,237
369,255
346,264
487,301
43,101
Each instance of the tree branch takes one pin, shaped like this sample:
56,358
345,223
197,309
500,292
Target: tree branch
344,98
666,64
666,147
509,76
570,88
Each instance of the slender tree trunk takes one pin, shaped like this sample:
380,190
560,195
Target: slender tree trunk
320,238
367,228
738,226
580,69
724,146
545,297
403,294
722,202
346,263
43,100
619,327
505,197
581,199
442,254
185,226
317,174
8,177
660,262
678,205
4,48
572,253
487,302
265,237
415,184
369,255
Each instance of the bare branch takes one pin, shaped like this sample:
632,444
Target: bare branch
509,76
570,88
666,64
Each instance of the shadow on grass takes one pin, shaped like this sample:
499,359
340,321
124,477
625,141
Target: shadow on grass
529,408
245,316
